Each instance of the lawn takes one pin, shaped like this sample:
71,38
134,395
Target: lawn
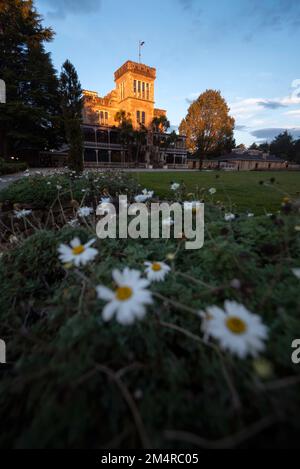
243,190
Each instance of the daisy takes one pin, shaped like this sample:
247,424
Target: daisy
250,215
236,329
148,194
77,253
105,200
140,199
212,191
129,298
22,213
156,271
296,272
144,196
84,212
175,186
229,217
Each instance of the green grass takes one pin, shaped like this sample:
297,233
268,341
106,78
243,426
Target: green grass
243,190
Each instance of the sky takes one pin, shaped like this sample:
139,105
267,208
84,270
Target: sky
247,49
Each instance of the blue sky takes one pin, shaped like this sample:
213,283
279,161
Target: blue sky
248,49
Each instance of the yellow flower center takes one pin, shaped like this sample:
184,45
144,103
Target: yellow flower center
124,293
78,250
156,267
236,325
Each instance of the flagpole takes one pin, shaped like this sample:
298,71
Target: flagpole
140,51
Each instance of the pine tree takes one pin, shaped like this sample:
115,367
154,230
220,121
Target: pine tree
72,103
30,121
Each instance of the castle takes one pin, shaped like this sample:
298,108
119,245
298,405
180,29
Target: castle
134,93
104,143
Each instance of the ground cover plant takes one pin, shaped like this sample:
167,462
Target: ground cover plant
164,373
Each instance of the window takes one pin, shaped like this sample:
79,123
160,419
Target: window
106,117
134,86
138,116
101,116
147,90
143,89
139,87
143,118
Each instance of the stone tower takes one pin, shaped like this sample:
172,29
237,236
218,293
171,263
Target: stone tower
133,93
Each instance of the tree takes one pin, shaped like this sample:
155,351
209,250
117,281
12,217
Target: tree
208,126
30,121
265,147
254,146
283,146
160,124
72,104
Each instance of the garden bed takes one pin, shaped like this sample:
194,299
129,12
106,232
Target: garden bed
74,380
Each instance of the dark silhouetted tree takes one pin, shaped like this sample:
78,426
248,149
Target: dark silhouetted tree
30,121
72,104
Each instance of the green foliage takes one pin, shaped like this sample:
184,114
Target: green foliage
285,147
11,168
62,382
72,104
41,192
30,120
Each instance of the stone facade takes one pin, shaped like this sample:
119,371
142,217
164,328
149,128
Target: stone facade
134,93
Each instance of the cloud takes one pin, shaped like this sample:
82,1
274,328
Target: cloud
241,128
296,113
274,15
272,132
271,104
62,8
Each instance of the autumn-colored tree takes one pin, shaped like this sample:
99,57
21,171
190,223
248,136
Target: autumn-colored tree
208,126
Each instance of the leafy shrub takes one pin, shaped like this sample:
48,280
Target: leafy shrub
42,191
76,382
11,168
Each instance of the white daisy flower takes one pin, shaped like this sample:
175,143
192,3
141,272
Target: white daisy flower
156,271
128,301
144,196
22,213
105,200
250,215
212,191
296,272
148,194
84,212
73,223
140,199
175,186
58,188
77,253
236,329
229,217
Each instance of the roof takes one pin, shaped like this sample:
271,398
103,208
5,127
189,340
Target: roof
250,157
